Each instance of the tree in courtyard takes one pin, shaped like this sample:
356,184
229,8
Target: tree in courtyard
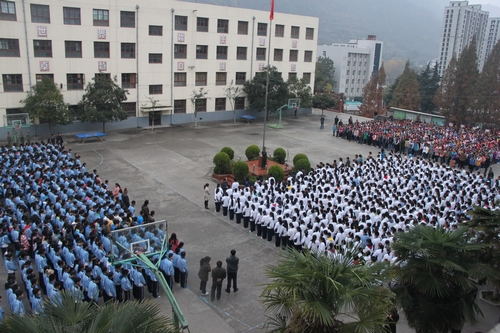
428,81
232,93
433,277
199,101
300,89
445,98
487,91
373,94
407,94
315,293
389,91
457,98
324,79
323,101
73,315
256,90
46,104
102,101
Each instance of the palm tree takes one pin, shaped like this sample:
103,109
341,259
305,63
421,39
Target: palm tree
315,293
432,277
72,315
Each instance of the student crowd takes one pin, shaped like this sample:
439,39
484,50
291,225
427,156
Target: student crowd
56,219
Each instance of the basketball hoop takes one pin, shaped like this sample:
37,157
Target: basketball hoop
16,124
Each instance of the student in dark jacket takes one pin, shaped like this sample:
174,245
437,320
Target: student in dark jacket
218,276
203,274
232,270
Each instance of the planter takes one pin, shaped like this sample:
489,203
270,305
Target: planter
483,295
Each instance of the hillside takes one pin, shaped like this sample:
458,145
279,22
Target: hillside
409,31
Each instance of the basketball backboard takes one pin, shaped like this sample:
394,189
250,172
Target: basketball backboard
16,120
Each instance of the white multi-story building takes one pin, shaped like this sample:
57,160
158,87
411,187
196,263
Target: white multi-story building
461,22
354,63
159,49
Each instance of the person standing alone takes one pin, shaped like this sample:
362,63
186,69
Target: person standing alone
232,270
203,274
218,276
322,122
206,194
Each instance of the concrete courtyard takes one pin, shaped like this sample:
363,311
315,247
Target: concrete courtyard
170,165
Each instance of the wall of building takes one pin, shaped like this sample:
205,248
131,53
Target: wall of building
152,12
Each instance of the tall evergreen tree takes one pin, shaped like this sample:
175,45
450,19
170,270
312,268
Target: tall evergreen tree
428,81
407,94
389,91
445,98
373,94
256,90
487,108
324,77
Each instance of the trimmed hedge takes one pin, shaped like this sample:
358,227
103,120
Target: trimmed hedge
240,171
302,164
228,151
299,156
277,172
222,163
279,155
252,152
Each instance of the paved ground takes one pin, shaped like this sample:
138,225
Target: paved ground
169,167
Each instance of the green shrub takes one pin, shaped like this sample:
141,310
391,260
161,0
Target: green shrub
240,171
279,155
228,151
222,164
302,164
299,157
252,152
277,172
252,180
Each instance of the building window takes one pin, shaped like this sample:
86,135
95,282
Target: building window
8,11
239,103
241,78
180,51
295,32
40,13
310,33
220,78
42,48
156,30
101,17
127,19
128,80
201,105
202,24
155,58
180,106
201,79
280,30
221,52
294,55
101,49
130,108
12,82
9,47
308,56
222,26
73,49
278,54
40,77
179,79
262,29
155,89
292,76
220,104
71,16
306,77
201,51
241,53
261,53
75,81
181,23
242,28
128,50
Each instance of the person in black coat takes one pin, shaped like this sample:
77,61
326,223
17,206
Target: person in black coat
218,276
232,269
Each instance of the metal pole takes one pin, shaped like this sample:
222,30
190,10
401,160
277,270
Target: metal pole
251,50
27,50
172,68
267,83
137,63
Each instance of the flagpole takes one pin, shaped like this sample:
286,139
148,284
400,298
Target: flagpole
271,17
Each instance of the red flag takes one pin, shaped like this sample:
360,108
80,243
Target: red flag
271,15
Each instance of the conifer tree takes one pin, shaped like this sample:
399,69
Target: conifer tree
389,91
407,94
373,94
445,98
428,81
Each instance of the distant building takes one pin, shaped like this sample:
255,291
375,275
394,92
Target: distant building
355,63
161,49
461,22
